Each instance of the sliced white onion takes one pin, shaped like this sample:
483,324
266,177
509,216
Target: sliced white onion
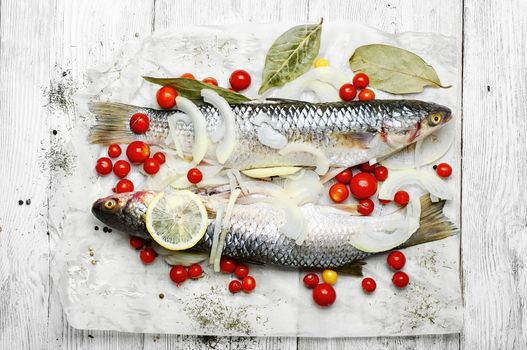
434,146
240,180
270,137
226,145
185,258
328,75
199,148
263,173
175,140
305,189
426,180
216,236
322,162
324,91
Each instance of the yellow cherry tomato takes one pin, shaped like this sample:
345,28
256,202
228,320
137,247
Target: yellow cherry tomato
321,62
329,276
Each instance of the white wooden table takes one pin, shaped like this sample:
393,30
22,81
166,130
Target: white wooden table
49,42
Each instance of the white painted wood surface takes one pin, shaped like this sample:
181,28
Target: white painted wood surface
42,39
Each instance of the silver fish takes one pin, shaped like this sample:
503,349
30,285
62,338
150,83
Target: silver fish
253,233
348,133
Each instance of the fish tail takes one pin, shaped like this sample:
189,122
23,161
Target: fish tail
112,123
433,225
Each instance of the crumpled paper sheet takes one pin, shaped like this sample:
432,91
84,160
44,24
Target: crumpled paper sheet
113,290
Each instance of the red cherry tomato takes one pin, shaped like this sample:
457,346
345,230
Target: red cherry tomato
401,198
347,92
324,294
400,279
369,285
241,271
338,193
384,201
396,260
114,150
160,156
366,95
188,76
147,255
381,173
195,271
194,175
137,152
248,284
210,80
444,170
124,185
166,97
367,168
240,80
345,176
363,185
311,280
103,166
235,286
365,207
361,80
151,166
178,274
139,123
227,265
121,168
136,242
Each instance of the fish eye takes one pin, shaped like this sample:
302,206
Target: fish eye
436,118
110,204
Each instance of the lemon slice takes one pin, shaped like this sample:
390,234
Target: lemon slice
176,220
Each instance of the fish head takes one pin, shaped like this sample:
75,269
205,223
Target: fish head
124,211
434,118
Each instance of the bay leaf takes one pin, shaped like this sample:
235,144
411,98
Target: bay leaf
291,55
393,69
191,89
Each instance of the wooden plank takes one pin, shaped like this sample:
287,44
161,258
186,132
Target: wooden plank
24,268
494,128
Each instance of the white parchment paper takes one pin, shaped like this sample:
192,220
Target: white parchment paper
103,284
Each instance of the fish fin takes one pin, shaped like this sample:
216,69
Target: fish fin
433,225
354,139
112,123
348,208
353,269
287,100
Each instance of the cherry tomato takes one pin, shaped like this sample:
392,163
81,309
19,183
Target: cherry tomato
400,279
240,80
444,170
166,97
381,173
384,201
210,80
396,260
248,284
160,156
241,271
347,92
365,207
147,255
178,274
151,166
114,150
361,80
363,185
227,265
194,175
401,198
103,166
311,280
195,271
321,62
345,176
367,168
369,285
139,123
137,152
121,168
188,76
329,276
366,95
235,286
338,193
124,185
324,294
136,242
